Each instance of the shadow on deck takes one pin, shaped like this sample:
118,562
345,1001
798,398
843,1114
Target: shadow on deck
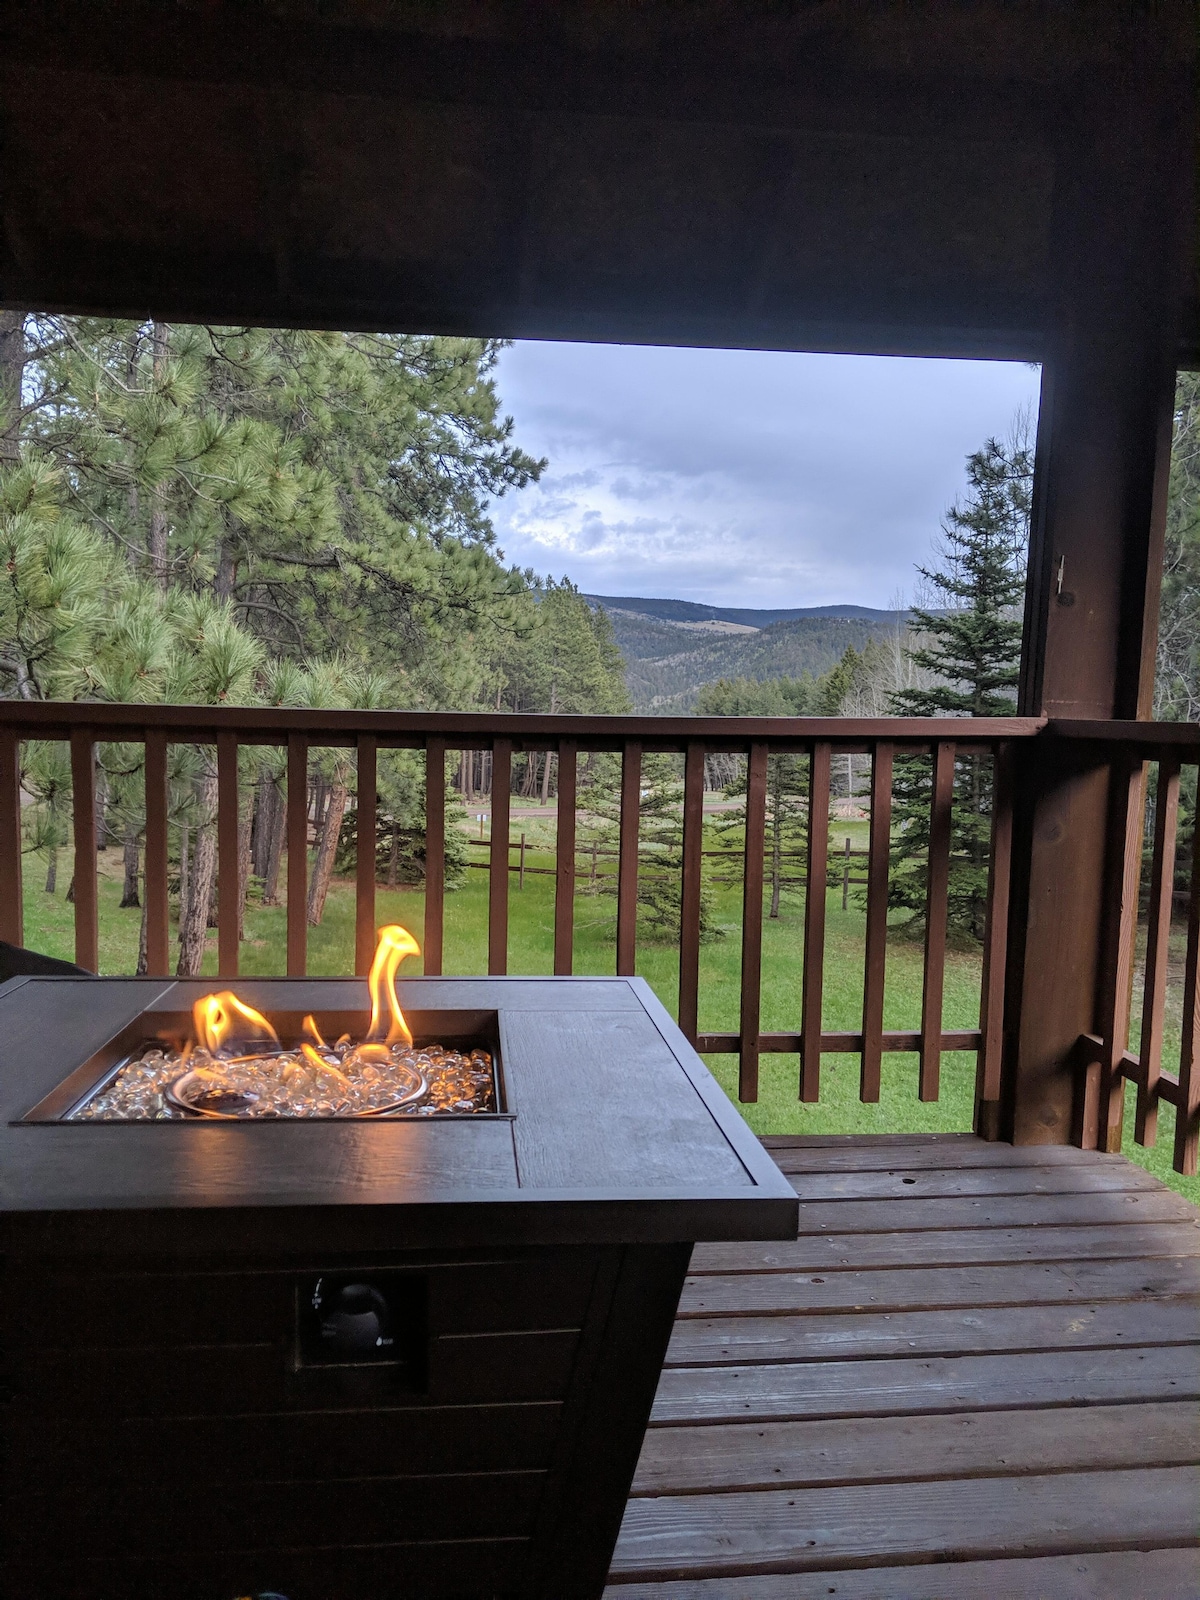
975,1374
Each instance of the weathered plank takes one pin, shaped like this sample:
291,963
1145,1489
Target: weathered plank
1110,1575
959,1246
781,1455
843,1141
998,1211
870,1157
835,1336
946,1182
941,1383
804,1529
778,1293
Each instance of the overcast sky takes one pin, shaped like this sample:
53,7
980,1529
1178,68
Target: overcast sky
739,477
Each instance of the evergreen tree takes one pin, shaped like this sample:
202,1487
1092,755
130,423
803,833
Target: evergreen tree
969,648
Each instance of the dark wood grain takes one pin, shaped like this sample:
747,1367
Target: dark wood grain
564,861
410,729
1158,933
1103,1108
12,903
752,917
498,857
784,1455
689,914
228,874
627,864
875,961
366,794
1187,1119
83,804
158,927
813,989
435,854
937,883
995,950
1121,1575
297,859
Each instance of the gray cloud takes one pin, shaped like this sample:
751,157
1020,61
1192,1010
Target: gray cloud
742,477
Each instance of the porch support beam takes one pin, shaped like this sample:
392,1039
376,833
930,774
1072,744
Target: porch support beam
1103,456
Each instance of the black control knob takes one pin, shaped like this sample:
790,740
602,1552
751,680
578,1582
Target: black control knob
356,1324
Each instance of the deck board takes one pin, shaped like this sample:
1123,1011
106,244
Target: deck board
977,1362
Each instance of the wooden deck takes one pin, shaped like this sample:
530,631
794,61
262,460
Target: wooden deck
975,1374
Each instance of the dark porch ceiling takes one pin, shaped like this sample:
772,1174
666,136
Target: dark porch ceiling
860,175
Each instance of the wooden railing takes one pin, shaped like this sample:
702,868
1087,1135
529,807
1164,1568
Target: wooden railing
85,725
1146,761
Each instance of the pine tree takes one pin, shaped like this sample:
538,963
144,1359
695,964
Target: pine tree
970,648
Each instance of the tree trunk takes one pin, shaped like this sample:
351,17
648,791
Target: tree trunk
776,840
156,539
546,781
260,832
226,573
278,825
52,870
71,891
101,808
331,828
184,872
245,822
12,374
193,926
129,894
143,960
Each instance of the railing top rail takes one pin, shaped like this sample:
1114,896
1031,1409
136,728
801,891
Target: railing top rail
533,730
1148,736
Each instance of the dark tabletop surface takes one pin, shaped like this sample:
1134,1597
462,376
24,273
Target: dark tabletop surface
619,1132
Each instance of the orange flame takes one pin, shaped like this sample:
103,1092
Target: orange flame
222,1019
394,944
321,1065
313,1032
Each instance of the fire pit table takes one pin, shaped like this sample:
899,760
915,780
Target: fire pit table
407,1348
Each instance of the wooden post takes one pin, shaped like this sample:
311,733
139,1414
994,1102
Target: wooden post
1118,239
521,868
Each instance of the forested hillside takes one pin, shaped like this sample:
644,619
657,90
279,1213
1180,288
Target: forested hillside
668,664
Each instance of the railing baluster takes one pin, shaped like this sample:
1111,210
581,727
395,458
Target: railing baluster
158,915
875,963
689,903
366,785
627,862
228,876
1104,1109
435,854
995,951
297,848
750,1024
1187,1112
1158,932
83,791
498,876
813,984
564,881
936,888
12,900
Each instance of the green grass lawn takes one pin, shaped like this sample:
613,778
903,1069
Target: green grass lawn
49,927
